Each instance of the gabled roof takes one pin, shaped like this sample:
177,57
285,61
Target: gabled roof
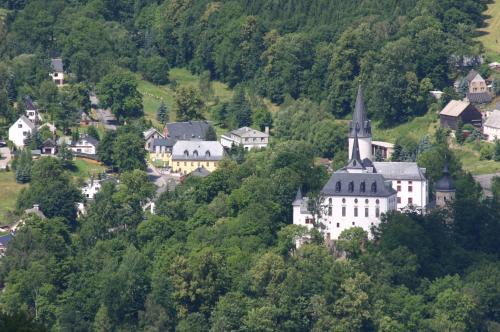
29,104
247,132
400,171
472,75
89,139
148,133
191,130
454,108
358,184
57,65
479,97
493,120
27,121
49,143
197,150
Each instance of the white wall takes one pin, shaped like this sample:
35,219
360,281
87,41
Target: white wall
493,133
336,223
18,135
419,193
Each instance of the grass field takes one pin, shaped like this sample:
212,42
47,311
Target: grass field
153,94
469,157
9,189
415,129
87,167
490,35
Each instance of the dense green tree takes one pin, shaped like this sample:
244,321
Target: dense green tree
66,156
188,104
128,152
210,135
154,68
92,132
105,148
23,166
118,91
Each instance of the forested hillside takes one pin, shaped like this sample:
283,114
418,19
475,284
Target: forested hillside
316,49
220,253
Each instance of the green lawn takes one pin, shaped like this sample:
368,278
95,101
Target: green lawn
9,189
468,154
153,94
491,33
415,128
86,167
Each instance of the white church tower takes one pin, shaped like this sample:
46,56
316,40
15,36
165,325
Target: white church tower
361,126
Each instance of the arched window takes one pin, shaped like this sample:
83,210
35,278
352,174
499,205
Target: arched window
366,201
195,153
374,187
186,153
377,202
355,201
362,187
330,201
207,154
351,187
338,187
343,200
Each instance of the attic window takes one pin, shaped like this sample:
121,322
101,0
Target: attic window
195,153
207,153
374,187
186,153
338,187
362,187
351,187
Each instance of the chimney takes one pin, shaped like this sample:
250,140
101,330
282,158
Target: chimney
266,130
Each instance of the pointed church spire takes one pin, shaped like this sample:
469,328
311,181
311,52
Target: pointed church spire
355,161
298,196
360,122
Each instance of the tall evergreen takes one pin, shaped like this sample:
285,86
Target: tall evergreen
162,114
23,166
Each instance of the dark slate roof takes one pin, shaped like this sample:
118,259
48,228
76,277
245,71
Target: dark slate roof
5,239
470,76
445,183
168,142
191,130
90,139
298,198
49,143
57,65
355,162
29,104
360,122
479,97
351,184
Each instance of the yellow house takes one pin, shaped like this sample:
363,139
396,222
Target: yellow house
160,152
188,156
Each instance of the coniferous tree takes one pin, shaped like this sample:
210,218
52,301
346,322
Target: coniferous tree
459,134
497,150
162,114
23,166
66,156
92,132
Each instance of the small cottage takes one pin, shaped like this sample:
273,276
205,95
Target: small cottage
491,128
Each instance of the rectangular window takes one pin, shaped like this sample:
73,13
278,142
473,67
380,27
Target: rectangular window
366,212
20,125
410,201
329,210
343,211
399,200
355,211
399,182
208,163
338,225
399,188
177,163
410,189
185,163
377,212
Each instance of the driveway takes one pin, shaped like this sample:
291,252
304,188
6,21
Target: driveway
104,116
5,157
163,182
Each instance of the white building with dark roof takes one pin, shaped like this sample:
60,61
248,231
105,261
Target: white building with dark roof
247,137
361,192
57,73
20,131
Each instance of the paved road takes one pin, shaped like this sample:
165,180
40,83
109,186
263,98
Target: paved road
163,182
104,116
485,182
5,157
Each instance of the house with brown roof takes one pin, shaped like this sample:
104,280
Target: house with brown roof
458,109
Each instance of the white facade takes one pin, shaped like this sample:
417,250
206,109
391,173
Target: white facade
491,128
341,213
85,145
20,130
247,137
34,116
91,189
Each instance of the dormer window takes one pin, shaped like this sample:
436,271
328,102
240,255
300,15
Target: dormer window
207,154
186,153
338,187
195,153
362,187
351,187
374,187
